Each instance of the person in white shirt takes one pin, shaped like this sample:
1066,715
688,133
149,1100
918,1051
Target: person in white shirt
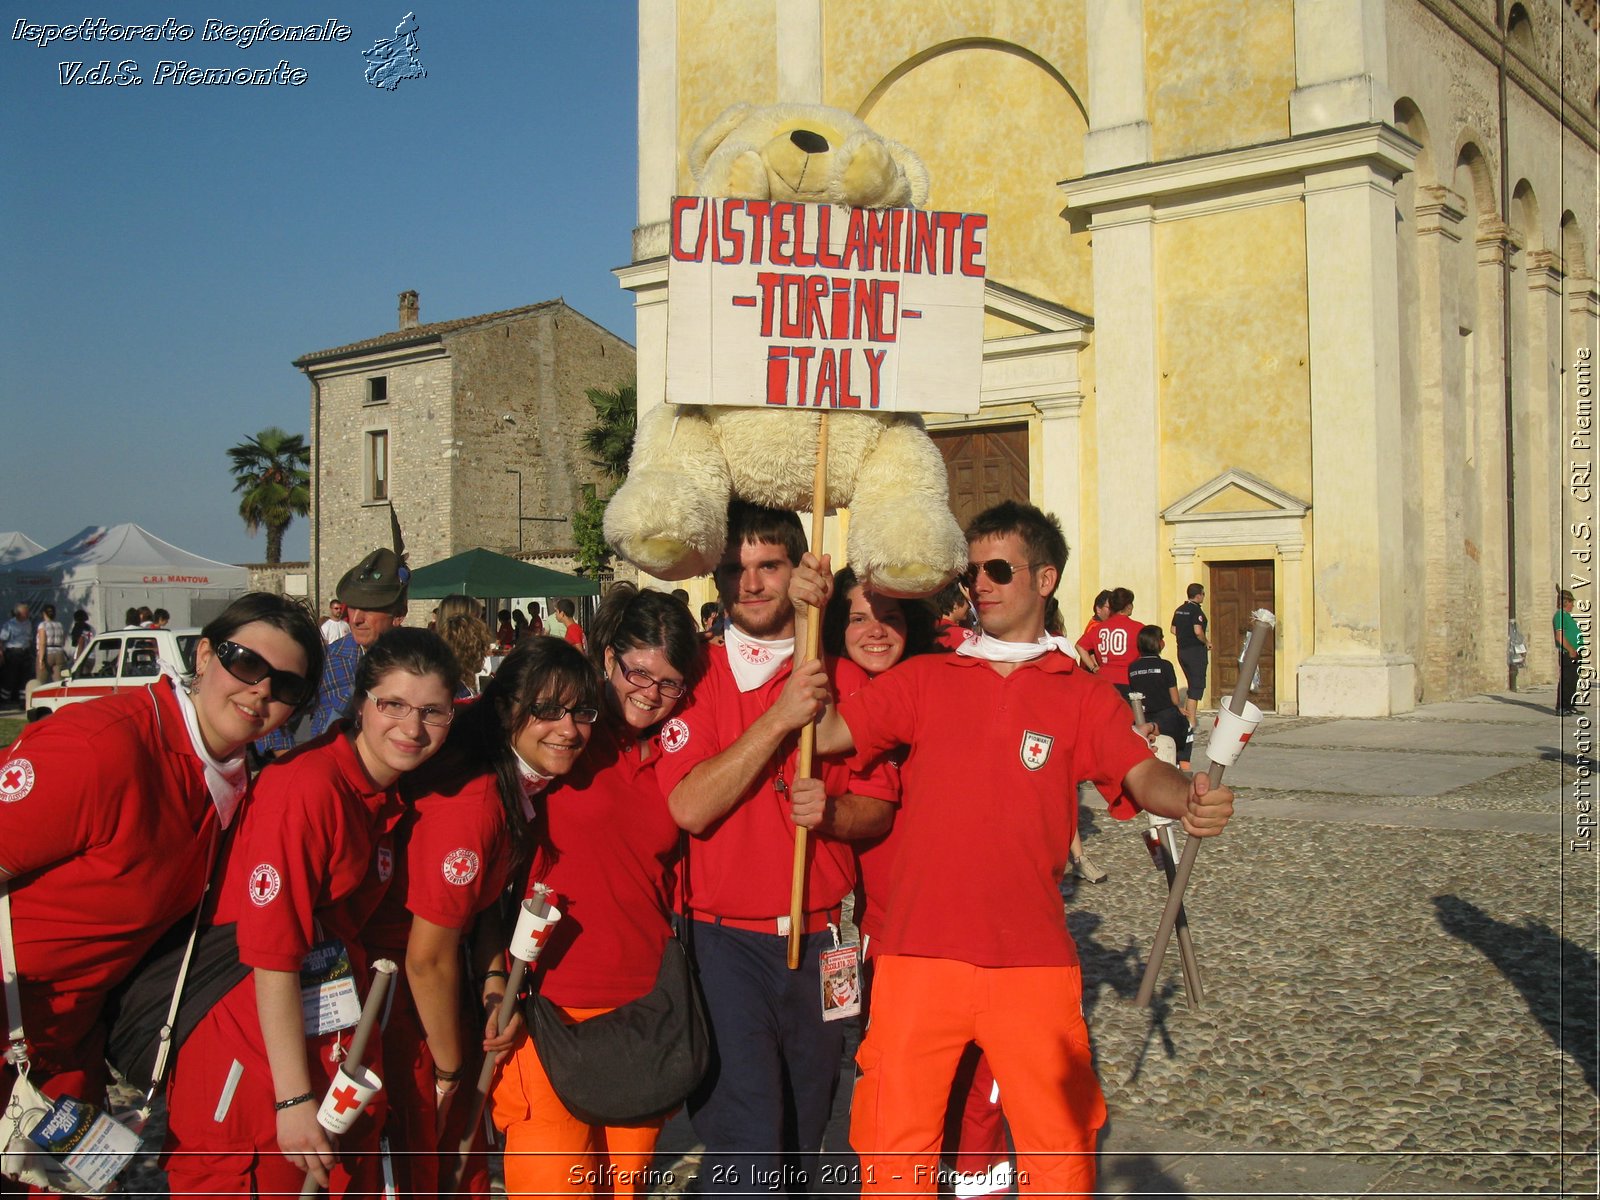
335,627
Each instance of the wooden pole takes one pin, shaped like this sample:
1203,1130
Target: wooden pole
808,735
541,900
1167,860
1262,625
384,971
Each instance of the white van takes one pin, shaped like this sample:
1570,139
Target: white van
116,662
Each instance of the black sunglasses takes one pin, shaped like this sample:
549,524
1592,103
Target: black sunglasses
245,665
997,569
549,710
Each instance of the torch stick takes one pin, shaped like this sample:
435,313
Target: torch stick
808,735
1262,624
370,1011
1166,856
534,922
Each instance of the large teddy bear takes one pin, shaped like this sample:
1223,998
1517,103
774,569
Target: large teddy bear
670,517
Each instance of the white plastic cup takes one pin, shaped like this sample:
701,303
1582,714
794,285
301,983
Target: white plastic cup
533,928
348,1096
1231,732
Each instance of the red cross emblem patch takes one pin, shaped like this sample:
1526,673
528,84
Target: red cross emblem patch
674,736
461,866
345,1098
385,863
16,780
264,885
1035,749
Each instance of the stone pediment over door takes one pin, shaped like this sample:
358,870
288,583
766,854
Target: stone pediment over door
1237,509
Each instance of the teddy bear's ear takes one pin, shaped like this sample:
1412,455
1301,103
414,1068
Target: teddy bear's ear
706,144
916,173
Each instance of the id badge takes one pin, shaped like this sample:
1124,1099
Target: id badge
840,969
328,999
86,1141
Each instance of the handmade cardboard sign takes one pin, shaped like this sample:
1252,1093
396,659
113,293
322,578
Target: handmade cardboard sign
816,306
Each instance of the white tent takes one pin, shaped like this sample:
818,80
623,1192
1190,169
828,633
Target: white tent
17,545
110,569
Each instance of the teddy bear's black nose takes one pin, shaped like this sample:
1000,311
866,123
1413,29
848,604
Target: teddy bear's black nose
810,143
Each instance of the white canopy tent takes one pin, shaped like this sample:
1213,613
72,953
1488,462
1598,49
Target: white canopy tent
110,569
17,545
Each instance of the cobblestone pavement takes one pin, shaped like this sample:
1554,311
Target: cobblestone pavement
1400,991
1406,1009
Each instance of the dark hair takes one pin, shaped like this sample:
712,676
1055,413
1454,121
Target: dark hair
49,611
1150,639
1121,600
1102,598
1195,589
539,668
280,612
504,615
160,614
144,613
918,614
566,607
681,595
751,523
709,609
418,651
131,617
948,597
1040,532
630,619
81,615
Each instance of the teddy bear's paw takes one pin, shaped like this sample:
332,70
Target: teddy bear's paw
669,524
906,549
747,177
870,178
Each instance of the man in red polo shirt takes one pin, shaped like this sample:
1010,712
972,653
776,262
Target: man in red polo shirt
728,769
975,947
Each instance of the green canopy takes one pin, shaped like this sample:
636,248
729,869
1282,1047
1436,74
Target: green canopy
484,573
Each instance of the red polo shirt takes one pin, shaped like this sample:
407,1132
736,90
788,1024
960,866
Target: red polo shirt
741,866
609,853
105,824
989,801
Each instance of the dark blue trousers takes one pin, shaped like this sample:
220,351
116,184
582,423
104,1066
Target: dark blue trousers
763,1107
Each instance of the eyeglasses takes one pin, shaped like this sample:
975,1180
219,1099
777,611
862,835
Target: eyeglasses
399,710
245,665
671,689
997,569
549,710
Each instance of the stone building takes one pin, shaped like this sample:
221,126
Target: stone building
455,424
1286,297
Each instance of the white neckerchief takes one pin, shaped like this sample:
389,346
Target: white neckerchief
225,781
533,782
992,649
754,661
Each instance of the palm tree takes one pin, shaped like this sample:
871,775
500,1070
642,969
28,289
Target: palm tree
272,469
610,441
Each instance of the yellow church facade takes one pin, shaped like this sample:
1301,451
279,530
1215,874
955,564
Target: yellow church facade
1285,297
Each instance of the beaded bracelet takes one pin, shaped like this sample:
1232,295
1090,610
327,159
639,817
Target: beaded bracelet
448,1076
292,1101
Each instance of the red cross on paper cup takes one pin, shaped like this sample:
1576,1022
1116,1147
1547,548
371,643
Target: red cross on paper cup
351,1091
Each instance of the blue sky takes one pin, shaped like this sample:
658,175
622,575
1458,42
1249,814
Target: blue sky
169,249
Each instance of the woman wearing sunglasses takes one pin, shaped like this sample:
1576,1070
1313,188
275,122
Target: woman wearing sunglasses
312,859
108,814
608,850
469,826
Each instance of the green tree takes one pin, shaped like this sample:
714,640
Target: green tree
273,471
609,442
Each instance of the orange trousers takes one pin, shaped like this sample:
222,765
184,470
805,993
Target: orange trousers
1029,1023
550,1152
